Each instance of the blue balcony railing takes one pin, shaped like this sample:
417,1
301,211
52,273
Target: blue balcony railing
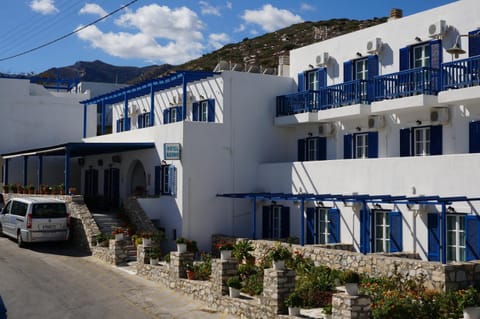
353,92
461,73
407,83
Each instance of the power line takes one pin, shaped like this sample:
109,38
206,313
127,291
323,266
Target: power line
68,34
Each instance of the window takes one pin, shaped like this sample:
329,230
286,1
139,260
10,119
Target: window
421,141
173,115
428,54
361,69
144,120
456,238
120,125
323,225
312,149
474,137
360,145
19,208
312,80
165,180
276,222
204,111
421,55
382,232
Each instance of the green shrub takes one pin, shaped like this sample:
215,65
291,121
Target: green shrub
294,300
252,279
242,249
203,269
234,282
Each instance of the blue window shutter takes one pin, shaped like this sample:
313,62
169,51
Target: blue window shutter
472,233
310,225
473,43
322,77
118,125
172,180
347,71
436,140
266,222
474,137
127,125
158,178
334,226
285,231
396,237
301,82
141,121
365,227
211,110
166,116
179,113
301,150
372,141
405,142
433,224
322,149
347,146
195,111
436,54
372,72
404,58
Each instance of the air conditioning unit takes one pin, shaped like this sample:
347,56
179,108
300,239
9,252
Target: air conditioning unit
439,115
376,122
133,110
325,129
437,29
374,46
322,59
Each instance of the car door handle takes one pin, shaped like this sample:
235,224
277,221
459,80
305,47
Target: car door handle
19,219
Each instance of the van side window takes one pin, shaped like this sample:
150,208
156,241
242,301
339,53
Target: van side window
19,208
7,208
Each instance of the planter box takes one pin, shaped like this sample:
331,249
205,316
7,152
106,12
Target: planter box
146,242
182,248
293,311
119,237
279,264
352,289
153,261
233,292
225,254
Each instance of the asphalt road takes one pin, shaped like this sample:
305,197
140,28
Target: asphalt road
50,281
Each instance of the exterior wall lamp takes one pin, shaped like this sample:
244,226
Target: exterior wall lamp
456,49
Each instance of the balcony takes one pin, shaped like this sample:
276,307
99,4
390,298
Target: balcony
460,81
334,96
411,82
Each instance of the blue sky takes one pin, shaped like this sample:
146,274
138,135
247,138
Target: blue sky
156,32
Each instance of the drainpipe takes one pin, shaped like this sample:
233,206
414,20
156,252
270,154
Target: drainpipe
254,219
443,229
302,222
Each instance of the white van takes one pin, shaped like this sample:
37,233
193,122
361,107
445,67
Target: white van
35,219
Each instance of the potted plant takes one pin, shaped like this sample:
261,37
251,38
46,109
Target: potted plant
31,189
102,240
293,302
158,236
234,285
146,239
6,188
242,249
181,244
14,188
351,280
190,269
225,250
154,255
279,254
470,303
118,234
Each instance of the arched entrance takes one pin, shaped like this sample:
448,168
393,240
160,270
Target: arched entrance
138,180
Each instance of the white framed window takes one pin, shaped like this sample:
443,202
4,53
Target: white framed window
173,114
146,119
203,111
456,250
361,69
382,231
421,55
312,149
165,179
361,145
421,141
321,225
312,81
277,221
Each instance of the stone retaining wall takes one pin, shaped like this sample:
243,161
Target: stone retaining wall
452,276
137,216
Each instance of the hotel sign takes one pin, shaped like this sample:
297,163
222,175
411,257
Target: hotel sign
171,151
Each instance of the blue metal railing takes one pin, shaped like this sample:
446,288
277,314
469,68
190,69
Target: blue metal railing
461,73
407,83
333,96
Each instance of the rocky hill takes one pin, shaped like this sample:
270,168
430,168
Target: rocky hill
262,52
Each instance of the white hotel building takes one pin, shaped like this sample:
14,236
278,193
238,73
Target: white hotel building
376,143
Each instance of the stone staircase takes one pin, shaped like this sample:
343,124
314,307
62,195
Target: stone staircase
108,222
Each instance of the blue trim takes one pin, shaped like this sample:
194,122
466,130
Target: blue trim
404,56
25,170
152,106
443,233
310,225
84,120
436,140
334,226
405,149
347,146
472,234
372,142
347,71
301,147
301,82
473,43
302,222
104,117
396,236
195,111
211,110
365,227
184,99
254,219
157,180
474,137
433,224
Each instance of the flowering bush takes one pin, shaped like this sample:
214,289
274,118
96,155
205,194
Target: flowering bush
225,246
280,252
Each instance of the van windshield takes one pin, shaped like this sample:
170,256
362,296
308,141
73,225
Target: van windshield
49,210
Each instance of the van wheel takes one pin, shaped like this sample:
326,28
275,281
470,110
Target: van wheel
20,242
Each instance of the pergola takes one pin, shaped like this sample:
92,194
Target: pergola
361,200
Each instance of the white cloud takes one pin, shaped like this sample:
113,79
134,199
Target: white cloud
307,7
160,35
43,6
208,9
218,40
93,8
240,28
270,18
229,5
